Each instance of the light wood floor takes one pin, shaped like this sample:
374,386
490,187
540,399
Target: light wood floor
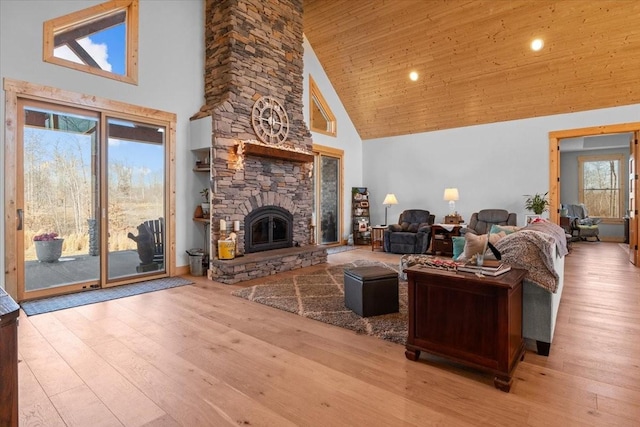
197,356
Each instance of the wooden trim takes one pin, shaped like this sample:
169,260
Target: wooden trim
16,90
170,197
276,153
81,17
554,166
78,100
595,130
10,194
329,151
315,97
318,151
554,181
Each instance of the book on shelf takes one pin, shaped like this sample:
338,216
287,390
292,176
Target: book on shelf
485,269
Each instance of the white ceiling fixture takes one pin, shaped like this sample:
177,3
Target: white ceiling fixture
537,45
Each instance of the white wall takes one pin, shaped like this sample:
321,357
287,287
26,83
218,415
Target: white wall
347,138
492,165
170,78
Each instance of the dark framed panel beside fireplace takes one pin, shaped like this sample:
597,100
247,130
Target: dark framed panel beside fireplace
267,228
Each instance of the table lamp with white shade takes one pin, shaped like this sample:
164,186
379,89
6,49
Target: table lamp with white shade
451,195
388,201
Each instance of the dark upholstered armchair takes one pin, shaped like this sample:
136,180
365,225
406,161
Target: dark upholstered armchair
412,233
481,221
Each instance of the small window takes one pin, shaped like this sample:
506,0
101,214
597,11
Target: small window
322,119
600,186
101,40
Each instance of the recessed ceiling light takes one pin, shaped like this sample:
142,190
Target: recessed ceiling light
537,44
413,76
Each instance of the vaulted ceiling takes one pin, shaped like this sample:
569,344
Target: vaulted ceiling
474,59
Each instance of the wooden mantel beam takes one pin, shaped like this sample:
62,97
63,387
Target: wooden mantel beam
276,153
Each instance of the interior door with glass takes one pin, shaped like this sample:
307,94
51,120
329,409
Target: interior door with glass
58,235
328,194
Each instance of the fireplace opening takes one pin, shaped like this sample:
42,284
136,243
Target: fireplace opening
268,227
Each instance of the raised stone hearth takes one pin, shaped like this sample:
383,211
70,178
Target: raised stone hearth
263,264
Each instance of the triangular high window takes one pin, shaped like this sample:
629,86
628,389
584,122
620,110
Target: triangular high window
321,116
101,40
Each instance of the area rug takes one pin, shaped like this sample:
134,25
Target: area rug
320,296
61,302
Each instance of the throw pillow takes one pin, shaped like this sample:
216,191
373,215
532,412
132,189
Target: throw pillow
475,244
405,226
458,246
413,227
506,228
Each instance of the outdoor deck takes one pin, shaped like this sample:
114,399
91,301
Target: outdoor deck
78,268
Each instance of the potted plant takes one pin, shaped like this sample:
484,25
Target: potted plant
48,247
206,205
537,203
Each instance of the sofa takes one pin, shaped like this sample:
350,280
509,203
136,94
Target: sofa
412,233
540,309
540,249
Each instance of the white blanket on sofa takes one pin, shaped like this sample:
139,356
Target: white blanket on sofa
532,251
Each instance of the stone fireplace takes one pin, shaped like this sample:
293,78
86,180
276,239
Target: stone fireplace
254,50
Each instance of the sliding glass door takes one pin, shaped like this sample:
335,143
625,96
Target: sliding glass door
135,198
91,199
59,187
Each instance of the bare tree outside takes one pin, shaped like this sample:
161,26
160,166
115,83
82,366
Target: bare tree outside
61,189
601,183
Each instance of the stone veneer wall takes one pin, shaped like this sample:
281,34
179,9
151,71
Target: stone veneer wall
254,49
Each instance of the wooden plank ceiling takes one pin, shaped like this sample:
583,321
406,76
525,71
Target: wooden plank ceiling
474,59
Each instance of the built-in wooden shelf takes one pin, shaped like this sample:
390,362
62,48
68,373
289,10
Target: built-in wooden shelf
202,220
201,169
277,153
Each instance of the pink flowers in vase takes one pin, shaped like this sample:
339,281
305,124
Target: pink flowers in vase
45,237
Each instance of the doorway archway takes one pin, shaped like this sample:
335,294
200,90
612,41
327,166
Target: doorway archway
555,173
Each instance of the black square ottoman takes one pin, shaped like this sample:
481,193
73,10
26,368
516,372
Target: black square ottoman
371,291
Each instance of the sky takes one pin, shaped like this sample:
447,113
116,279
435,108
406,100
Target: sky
107,48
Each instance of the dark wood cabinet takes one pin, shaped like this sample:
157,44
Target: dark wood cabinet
475,321
9,312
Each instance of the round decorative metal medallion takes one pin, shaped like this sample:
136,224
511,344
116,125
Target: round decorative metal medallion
270,120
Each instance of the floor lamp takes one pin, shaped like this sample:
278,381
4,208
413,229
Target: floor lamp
388,201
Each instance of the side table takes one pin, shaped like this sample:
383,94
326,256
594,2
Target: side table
475,321
377,237
442,238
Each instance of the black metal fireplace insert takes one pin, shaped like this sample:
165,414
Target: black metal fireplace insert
267,228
